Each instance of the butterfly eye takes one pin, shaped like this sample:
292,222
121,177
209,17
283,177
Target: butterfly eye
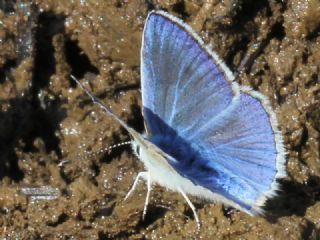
138,150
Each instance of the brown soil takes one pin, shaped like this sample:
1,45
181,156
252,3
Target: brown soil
51,135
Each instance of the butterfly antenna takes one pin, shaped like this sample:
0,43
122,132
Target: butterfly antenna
110,148
100,103
137,137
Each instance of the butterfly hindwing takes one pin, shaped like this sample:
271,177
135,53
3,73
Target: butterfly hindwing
247,152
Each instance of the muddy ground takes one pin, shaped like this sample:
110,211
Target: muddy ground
59,180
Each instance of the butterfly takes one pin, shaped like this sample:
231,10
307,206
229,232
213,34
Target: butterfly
206,135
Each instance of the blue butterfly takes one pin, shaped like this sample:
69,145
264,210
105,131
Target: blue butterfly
205,135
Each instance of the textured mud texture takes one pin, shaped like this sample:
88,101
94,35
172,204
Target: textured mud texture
51,135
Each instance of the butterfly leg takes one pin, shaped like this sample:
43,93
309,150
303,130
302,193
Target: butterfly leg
142,175
148,195
192,208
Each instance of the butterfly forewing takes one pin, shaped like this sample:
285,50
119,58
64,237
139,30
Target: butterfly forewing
177,77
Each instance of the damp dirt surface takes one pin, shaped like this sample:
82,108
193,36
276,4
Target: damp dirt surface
58,177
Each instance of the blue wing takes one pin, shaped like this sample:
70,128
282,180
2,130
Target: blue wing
246,149
174,64
223,138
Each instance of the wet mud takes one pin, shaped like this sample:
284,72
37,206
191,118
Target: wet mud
58,177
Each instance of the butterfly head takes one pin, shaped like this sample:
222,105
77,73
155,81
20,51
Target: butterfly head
136,148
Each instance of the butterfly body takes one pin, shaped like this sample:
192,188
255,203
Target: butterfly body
162,173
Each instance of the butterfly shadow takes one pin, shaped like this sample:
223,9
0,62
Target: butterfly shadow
154,213
293,199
